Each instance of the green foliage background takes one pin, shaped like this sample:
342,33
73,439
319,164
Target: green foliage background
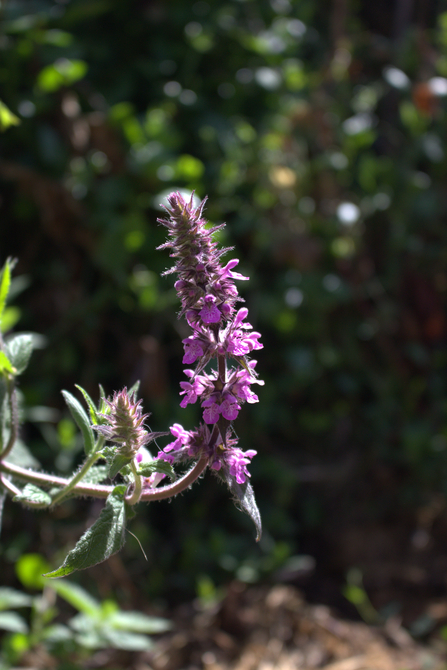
319,137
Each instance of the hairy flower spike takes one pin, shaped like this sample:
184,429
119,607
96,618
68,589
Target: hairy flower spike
208,295
124,423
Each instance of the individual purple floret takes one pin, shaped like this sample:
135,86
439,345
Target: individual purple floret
208,296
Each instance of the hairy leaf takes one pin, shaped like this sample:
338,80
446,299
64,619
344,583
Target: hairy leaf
81,418
244,499
33,496
99,542
96,475
5,285
118,462
19,349
91,405
149,467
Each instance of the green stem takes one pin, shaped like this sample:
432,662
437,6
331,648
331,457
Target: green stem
138,486
77,478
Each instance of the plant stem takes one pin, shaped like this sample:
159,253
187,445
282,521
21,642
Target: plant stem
178,486
138,485
100,490
43,479
14,429
77,478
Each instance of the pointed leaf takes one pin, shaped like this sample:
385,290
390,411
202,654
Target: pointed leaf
91,405
99,542
134,389
5,364
137,622
96,475
244,499
7,118
149,467
76,596
13,622
19,349
118,463
119,639
33,496
12,598
81,418
5,286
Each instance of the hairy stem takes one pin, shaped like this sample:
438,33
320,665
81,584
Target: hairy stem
135,496
178,486
14,429
100,490
77,478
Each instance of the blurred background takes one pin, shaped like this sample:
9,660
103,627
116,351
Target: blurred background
317,129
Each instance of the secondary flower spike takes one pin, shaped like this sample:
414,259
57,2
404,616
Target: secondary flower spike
124,423
208,296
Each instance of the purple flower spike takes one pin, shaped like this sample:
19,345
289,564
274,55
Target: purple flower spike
208,295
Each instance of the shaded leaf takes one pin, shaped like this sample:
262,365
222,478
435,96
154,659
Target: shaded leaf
91,405
76,596
5,364
5,285
99,542
96,474
119,461
149,467
13,598
13,622
244,499
19,349
7,118
138,622
33,496
81,419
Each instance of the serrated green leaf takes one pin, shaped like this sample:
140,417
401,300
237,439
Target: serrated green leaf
79,415
33,496
91,405
149,467
99,542
118,462
76,596
137,622
96,475
19,349
12,598
5,364
5,285
13,622
244,499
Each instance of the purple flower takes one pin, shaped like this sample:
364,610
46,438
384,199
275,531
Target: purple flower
229,407
209,312
193,350
208,295
181,435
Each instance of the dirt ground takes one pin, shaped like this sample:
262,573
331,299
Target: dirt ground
273,628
